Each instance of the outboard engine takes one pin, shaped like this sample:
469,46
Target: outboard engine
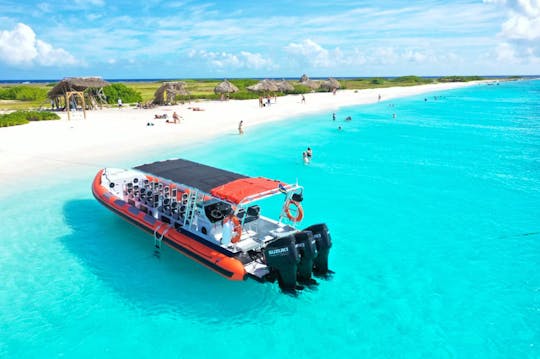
282,256
307,248
324,243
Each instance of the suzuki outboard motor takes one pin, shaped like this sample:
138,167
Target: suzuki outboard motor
305,243
324,243
282,256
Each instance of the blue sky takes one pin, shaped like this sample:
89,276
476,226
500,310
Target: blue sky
183,39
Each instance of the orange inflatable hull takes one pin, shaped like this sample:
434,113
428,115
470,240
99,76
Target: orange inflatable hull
219,262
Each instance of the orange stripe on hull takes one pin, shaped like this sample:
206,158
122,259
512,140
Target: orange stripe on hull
222,264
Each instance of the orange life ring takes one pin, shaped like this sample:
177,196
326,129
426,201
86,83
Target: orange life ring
237,229
299,208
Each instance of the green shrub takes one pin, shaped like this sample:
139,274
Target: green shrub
23,93
410,79
300,89
378,81
115,91
459,78
23,117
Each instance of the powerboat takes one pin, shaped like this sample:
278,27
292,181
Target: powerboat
215,217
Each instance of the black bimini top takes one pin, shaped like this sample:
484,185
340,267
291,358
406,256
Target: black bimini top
190,173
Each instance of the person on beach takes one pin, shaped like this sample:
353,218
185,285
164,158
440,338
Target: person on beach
119,102
261,104
334,116
176,118
303,99
379,97
240,129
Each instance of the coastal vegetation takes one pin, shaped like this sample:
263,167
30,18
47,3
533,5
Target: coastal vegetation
34,96
23,117
120,91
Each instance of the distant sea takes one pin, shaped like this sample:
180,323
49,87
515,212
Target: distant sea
255,78
434,216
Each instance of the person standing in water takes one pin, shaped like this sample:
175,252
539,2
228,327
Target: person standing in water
240,128
305,157
334,116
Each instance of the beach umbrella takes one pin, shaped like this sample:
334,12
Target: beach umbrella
263,86
284,86
225,87
331,84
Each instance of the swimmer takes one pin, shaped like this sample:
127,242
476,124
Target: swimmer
305,157
349,118
309,153
339,128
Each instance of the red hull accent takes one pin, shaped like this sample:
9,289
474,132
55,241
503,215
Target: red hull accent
222,264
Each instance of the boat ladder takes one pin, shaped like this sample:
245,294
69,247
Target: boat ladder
159,237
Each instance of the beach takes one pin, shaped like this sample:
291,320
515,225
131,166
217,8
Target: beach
42,148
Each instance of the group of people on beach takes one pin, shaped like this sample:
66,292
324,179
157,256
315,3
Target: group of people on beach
266,101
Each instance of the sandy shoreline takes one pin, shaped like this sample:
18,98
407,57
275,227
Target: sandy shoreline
41,148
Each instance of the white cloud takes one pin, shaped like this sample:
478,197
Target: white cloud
90,2
520,32
255,61
245,59
312,52
21,47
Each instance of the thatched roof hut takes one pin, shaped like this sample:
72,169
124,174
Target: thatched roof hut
168,91
331,84
91,86
225,87
263,86
284,86
76,84
305,81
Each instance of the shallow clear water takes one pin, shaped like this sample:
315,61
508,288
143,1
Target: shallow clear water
435,218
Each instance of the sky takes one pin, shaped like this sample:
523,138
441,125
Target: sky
229,39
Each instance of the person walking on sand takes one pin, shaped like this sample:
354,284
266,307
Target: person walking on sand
303,99
176,118
240,129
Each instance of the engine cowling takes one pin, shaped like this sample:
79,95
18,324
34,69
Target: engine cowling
307,249
323,242
282,257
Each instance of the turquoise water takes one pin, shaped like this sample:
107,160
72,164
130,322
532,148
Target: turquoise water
435,218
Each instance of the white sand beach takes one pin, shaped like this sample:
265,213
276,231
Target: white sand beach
45,147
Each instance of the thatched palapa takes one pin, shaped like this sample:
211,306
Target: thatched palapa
331,84
225,87
91,86
167,93
305,81
284,86
263,86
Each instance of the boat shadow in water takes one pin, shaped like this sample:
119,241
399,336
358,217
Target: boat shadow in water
124,257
